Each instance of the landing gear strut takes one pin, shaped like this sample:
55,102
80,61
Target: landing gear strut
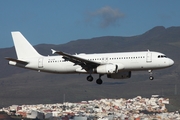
99,81
150,75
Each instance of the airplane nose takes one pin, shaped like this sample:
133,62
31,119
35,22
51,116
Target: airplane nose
171,62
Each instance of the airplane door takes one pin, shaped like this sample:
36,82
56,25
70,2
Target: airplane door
149,57
40,63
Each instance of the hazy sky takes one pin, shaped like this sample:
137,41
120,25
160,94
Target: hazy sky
60,21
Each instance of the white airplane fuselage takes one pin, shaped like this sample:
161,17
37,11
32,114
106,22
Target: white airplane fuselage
115,65
132,61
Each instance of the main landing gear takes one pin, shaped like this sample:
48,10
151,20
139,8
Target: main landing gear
98,81
89,78
150,75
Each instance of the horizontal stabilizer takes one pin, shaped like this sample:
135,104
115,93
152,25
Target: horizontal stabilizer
18,61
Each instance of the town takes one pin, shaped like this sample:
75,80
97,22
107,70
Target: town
137,108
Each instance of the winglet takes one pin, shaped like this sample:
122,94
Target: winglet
53,51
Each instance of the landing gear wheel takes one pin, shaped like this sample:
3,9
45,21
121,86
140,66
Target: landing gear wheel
150,73
99,81
89,78
151,77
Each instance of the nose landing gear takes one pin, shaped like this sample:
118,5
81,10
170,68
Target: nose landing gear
150,75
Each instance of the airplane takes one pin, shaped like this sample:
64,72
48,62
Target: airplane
115,65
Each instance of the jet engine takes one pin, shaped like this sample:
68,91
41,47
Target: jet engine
120,75
106,69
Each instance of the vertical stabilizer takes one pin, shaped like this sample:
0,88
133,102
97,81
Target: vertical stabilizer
23,48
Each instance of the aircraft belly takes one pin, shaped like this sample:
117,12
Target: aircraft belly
60,68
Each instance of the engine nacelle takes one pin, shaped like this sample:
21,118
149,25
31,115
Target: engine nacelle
120,75
106,69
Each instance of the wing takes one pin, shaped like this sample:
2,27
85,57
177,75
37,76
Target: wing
84,63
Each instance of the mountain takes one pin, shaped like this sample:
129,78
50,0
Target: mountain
20,86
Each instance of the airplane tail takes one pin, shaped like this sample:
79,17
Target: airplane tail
23,48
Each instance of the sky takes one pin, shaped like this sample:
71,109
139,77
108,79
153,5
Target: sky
61,21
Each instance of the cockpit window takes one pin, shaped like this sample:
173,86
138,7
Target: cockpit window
161,56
